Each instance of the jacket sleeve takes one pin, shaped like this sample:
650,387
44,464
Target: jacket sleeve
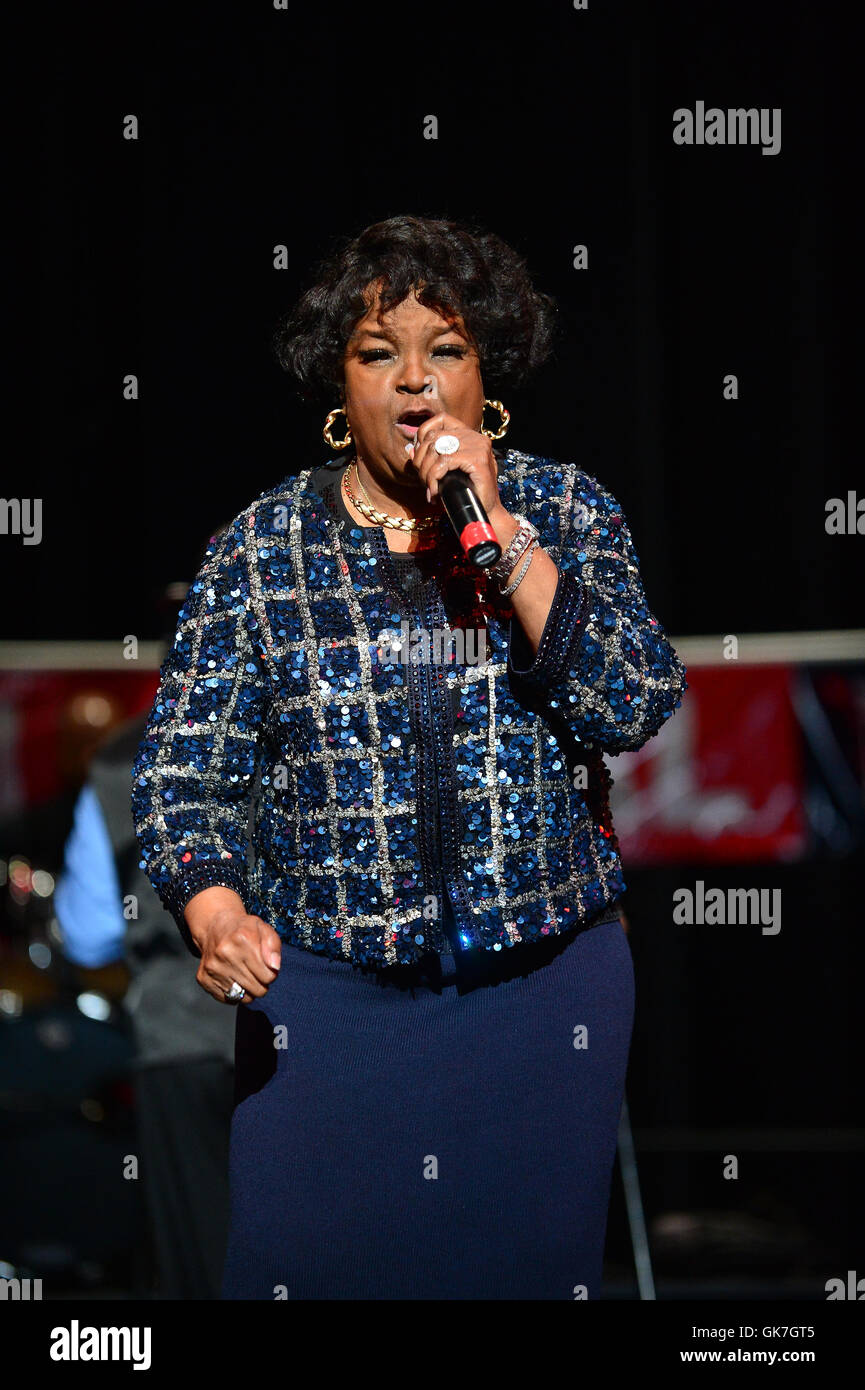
195,769
603,662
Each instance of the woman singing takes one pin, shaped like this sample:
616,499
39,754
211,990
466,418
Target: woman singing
402,863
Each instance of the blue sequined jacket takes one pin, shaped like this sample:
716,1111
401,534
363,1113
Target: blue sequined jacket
341,792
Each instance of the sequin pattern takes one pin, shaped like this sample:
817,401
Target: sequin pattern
367,789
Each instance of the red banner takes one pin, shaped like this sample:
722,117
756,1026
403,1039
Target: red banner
723,781
50,721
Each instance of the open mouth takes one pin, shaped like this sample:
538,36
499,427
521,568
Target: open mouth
410,421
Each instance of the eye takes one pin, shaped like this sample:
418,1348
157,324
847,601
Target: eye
377,354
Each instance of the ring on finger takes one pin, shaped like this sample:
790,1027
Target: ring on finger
446,444
235,994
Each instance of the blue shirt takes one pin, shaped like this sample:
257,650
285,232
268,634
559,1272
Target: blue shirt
87,898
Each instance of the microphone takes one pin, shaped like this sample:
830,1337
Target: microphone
469,520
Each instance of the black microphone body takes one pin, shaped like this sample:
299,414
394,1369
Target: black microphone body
469,520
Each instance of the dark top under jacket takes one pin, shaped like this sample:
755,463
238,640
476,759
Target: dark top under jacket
309,705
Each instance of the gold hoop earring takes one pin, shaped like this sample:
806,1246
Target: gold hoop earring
506,420
337,443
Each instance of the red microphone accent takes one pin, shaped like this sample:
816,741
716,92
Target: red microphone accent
474,533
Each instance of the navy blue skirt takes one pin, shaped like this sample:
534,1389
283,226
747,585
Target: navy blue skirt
439,1131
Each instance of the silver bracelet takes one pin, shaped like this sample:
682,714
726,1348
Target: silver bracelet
526,562
505,564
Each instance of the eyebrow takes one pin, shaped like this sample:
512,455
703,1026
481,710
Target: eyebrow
383,333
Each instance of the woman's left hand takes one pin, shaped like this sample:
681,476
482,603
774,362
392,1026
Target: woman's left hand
475,457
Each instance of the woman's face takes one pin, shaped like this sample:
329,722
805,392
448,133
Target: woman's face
413,361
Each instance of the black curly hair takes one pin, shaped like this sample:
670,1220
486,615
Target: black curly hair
455,268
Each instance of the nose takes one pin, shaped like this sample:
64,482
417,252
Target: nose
414,377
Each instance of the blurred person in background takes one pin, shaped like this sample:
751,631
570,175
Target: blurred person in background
38,831
184,1042
34,833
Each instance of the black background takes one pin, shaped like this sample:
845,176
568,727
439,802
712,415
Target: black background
260,127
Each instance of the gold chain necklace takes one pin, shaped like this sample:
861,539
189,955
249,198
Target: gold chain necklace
367,509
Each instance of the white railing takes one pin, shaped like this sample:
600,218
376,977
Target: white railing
754,649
